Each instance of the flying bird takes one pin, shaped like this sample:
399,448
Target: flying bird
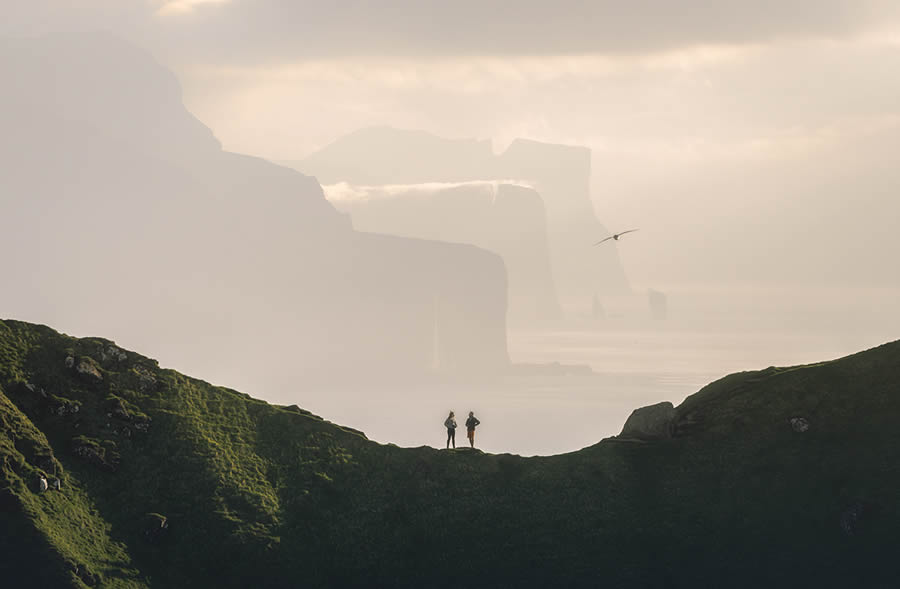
615,236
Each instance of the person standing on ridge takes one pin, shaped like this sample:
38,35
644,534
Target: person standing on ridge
450,424
471,423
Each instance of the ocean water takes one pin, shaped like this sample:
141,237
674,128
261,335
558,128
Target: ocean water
635,362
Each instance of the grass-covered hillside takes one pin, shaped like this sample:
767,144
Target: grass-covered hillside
166,481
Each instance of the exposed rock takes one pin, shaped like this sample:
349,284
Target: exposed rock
123,431
799,424
156,527
56,484
93,453
39,391
118,409
146,379
653,421
63,407
112,352
87,368
70,361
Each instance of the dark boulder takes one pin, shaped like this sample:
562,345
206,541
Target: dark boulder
651,422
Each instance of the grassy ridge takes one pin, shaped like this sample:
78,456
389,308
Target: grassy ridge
258,495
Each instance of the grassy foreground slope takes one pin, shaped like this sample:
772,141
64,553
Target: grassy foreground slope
167,481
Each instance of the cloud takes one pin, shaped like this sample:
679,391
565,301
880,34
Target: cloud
250,32
286,30
343,191
172,7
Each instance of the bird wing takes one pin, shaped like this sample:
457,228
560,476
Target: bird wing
602,240
629,231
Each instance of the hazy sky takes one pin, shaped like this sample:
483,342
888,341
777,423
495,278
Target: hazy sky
719,109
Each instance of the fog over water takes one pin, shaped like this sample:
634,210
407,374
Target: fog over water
383,212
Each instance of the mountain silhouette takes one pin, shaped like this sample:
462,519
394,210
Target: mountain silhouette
124,215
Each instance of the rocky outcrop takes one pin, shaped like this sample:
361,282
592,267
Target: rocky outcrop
112,353
87,368
651,422
63,407
101,455
799,424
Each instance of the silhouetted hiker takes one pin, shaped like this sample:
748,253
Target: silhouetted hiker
471,424
450,424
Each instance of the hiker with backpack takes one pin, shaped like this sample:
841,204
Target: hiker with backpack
450,424
471,423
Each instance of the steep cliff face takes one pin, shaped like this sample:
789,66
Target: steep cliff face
122,214
502,218
562,173
413,306
780,477
559,173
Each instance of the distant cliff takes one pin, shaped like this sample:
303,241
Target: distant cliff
503,218
122,214
559,173
114,472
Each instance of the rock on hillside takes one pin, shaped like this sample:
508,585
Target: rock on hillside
654,421
223,490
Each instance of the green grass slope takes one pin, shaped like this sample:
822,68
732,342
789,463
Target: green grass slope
167,481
